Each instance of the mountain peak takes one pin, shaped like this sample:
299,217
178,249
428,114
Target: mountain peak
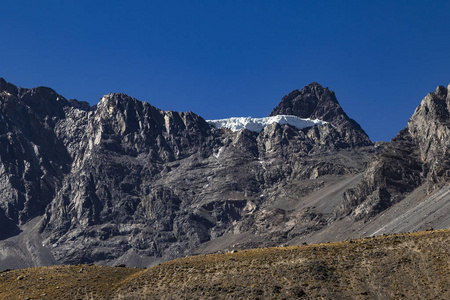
117,99
317,102
7,87
310,93
313,101
315,86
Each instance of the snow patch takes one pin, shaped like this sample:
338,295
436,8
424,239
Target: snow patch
217,155
258,124
262,163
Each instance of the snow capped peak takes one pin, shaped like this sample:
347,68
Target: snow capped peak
258,124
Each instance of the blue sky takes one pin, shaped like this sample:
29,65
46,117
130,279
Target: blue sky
233,58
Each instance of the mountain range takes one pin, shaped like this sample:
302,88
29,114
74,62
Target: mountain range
123,182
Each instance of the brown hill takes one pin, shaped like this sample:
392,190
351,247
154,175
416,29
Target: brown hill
402,266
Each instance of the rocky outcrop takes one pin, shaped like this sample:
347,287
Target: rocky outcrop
430,128
417,155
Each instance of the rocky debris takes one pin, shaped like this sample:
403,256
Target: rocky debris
417,155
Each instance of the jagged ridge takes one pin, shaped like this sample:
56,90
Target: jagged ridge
417,155
123,181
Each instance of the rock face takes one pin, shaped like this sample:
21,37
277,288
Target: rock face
316,102
32,159
125,182
418,155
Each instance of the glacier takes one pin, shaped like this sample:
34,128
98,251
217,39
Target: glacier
258,124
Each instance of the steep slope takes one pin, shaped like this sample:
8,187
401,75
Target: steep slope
32,160
126,182
417,156
109,198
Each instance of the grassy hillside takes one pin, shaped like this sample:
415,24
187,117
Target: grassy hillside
405,266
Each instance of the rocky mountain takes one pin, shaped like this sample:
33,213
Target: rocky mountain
125,182
417,156
316,102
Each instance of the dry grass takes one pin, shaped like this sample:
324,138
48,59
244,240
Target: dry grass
404,266
63,282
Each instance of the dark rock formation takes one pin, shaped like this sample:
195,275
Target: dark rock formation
316,102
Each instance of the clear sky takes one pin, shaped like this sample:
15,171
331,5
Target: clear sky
233,58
